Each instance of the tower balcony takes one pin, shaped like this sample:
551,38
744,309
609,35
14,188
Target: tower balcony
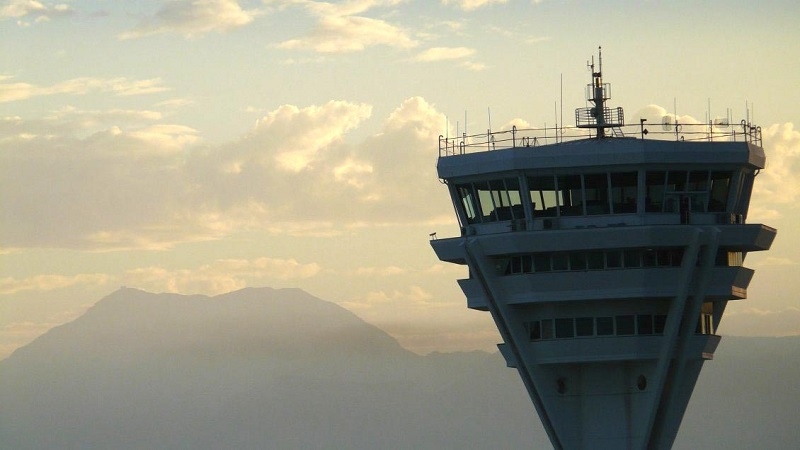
725,283
610,349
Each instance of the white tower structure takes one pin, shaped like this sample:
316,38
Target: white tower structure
606,255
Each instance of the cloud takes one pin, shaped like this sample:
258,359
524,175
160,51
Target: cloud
740,320
125,179
11,285
299,135
41,11
379,271
471,5
64,182
192,18
339,30
656,115
444,54
775,261
121,86
776,187
224,275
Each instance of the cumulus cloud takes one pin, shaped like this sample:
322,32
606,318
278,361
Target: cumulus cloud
777,185
224,275
62,183
127,179
192,18
340,30
656,115
299,135
444,54
39,11
49,282
471,5
379,271
16,91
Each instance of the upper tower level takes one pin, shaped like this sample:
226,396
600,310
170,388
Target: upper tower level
588,176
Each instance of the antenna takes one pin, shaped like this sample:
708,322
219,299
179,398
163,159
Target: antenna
555,113
489,111
561,131
675,108
747,110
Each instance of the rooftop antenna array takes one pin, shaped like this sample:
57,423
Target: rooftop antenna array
598,116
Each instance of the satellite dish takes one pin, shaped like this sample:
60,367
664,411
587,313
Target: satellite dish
666,123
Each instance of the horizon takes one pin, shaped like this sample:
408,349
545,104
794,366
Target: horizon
203,148
204,297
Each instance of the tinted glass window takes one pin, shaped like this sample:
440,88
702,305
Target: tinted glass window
543,195
596,189
577,261
560,261
469,202
720,184
633,258
595,260
541,262
565,328
624,192
654,191
625,325
571,192
613,259
659,321
584,326
547,329
535,330
644,324
605,326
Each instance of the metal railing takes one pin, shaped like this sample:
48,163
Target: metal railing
535,137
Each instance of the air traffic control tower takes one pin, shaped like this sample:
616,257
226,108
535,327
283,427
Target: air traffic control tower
606,255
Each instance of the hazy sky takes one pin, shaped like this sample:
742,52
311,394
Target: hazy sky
204,146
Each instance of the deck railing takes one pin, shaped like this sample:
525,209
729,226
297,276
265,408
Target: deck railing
534,137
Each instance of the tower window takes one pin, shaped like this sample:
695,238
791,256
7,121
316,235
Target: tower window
625,325
605,326
565,328
644,324
547,329
584,326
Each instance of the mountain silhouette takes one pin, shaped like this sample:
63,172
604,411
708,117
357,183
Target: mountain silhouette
256,368
281,369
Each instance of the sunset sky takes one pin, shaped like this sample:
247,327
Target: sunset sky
209,145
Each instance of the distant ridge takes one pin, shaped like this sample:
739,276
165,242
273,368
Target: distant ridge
282,369
255,368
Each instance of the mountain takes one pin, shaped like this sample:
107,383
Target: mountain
281,369
257,368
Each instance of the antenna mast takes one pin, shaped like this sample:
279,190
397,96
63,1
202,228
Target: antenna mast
598,116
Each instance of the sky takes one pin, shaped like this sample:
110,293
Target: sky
205,146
